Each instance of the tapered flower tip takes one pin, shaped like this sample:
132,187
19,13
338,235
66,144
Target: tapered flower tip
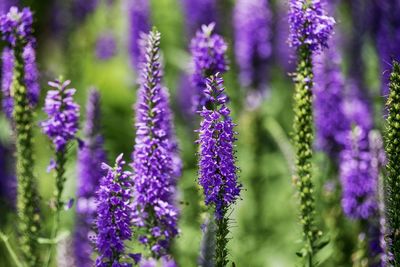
208,29
16,26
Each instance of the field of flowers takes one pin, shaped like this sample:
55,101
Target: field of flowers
203,133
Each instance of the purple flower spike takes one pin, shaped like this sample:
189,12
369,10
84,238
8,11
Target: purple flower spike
63,114
217,174
252,22
114,212
139,22
208,52
309,24
90,157
16,26
155,157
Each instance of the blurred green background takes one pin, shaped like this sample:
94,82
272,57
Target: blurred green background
264,226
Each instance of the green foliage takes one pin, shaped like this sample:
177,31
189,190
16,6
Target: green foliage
393,168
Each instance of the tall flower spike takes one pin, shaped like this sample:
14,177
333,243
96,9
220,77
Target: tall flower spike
90,156
208,55
114,212
16,30
153,157
217,169
310,30
139,23
61,127
197,13
393,168
252,22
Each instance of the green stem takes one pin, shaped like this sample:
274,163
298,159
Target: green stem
11,251
221,240
303,127
28,197
60,181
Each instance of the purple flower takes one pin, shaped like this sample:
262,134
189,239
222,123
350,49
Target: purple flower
16,26
139,23
6,80
330,120
114,214
81,9
217,174
154,156
6,4
166,261
309,24
197,13
63,114
208,55
90,157
252,22
106,46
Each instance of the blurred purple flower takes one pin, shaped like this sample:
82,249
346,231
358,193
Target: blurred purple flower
8,182
80,9
90,157
63,114
6,80
388,37
330,120
217,174
31,74
309,24
114,215
252,23
106,46
154,156
208,56
139,23
197,13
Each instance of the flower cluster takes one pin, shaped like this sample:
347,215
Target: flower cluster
16,26
153,156
114,214
208,51
217,174
309,24
139,22
63,114
90,155
198,13
252,23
